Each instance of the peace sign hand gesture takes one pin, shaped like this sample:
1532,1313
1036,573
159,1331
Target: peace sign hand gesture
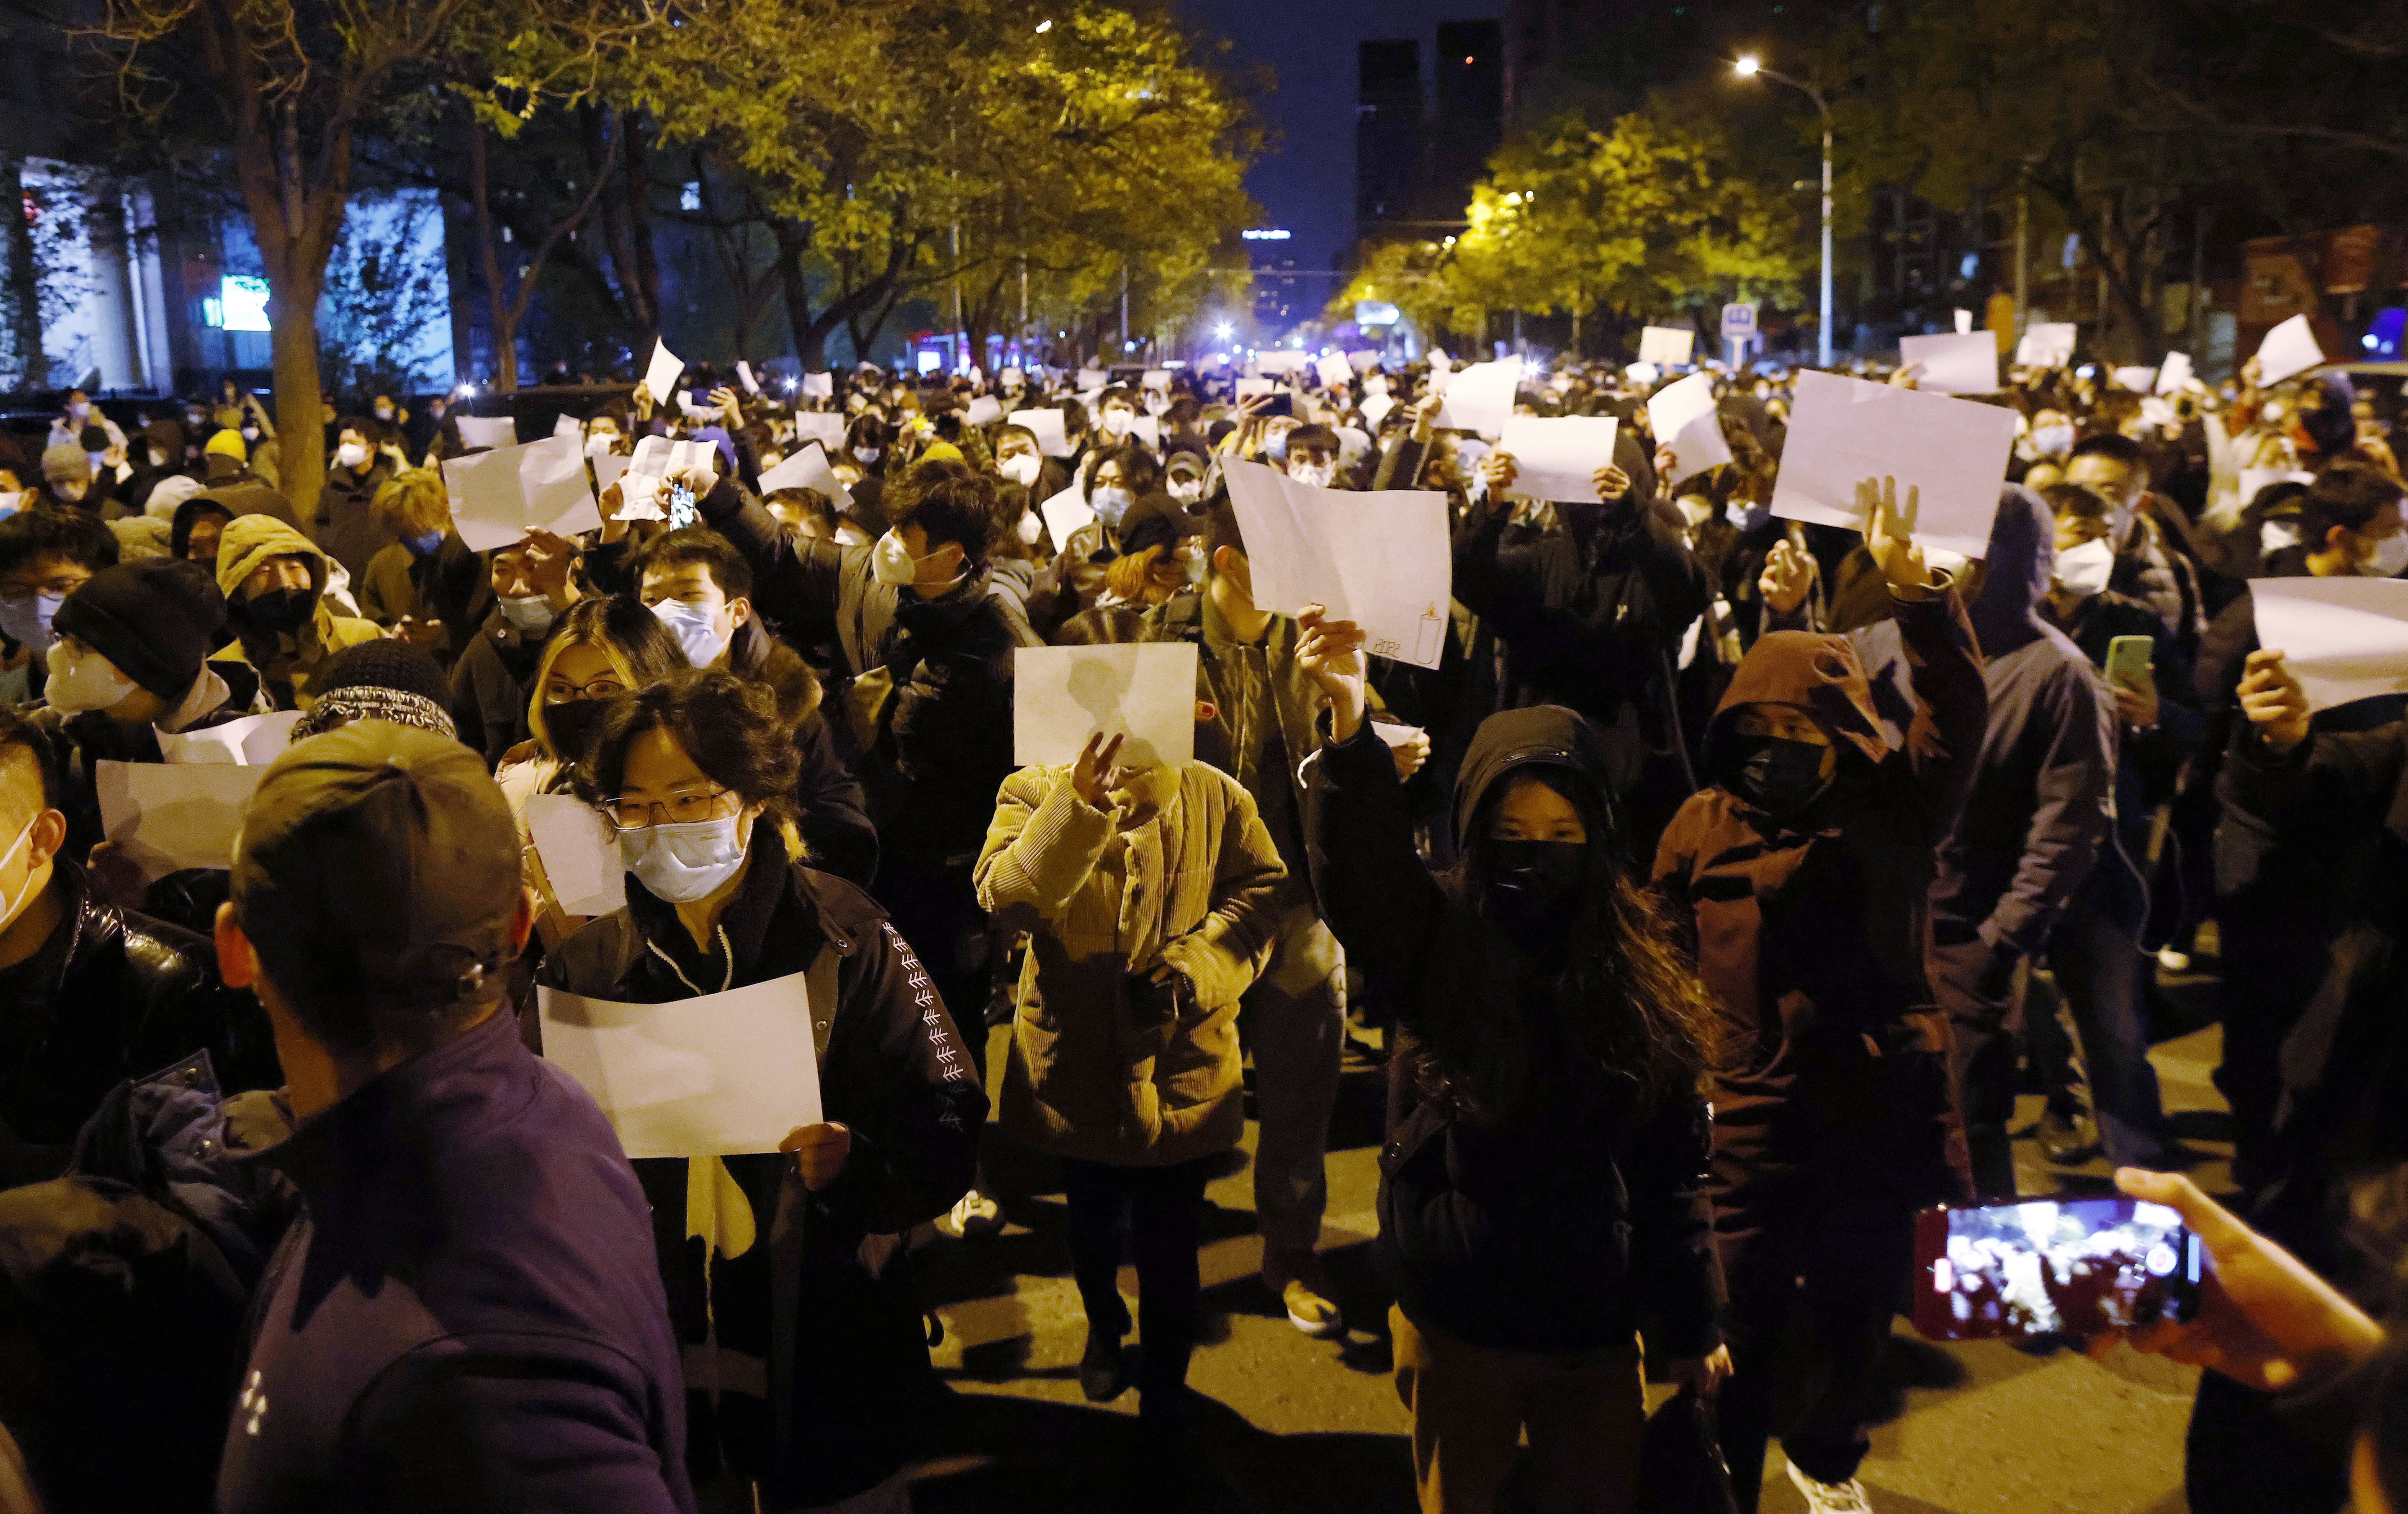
1889,536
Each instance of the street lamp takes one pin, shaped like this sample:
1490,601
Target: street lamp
1750,66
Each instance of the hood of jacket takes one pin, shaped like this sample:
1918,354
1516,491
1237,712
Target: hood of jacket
251,540
188,514
2016,574
1546,734
1819,673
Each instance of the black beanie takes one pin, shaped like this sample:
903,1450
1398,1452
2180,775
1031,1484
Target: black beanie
383,663
156,620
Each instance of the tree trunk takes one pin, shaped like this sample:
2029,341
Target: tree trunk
500,318
24,283
292,292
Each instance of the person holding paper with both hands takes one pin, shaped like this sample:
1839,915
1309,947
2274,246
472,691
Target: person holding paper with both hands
807,1369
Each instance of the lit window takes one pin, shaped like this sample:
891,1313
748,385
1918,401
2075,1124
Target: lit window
690,197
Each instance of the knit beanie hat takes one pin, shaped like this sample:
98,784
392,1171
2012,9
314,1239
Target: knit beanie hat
227,443
379,680
155,620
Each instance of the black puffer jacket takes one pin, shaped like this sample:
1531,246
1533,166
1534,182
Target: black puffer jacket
1572,1218
111,995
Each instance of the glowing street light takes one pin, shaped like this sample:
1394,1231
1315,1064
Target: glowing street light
1043,27
1222,331
1749,65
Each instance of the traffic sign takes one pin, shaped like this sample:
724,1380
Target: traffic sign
1738,322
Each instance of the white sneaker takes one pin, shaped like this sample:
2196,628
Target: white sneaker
975,1214
2172,960
1832,1497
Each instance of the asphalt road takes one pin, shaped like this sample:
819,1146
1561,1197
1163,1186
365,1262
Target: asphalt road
1305,1425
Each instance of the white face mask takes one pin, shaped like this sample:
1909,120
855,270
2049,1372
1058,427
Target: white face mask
867,454
1029,529
2390,557
891,563
28,620
384,412
2084,569
1021,467
2275,536
11,503
80,410
1186,491
2052,440
1118,421
1315,474
681,863
600,443
692,626
1111,504
84,679
350,454
527,613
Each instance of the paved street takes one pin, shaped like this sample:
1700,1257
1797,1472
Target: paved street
1297,1424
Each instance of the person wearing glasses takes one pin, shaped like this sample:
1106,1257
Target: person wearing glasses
807,1366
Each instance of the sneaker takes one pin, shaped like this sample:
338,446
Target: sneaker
1304,1292
2172,960
975,1214
1832,1497
2067,1140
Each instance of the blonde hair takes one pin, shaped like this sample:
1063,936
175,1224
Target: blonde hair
413,502
632,640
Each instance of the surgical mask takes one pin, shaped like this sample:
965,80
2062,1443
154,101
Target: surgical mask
1186,491
11,503
891,562
2084,569
350,454
692,626
1029,529
1020,469
2390,557
28,620
1746,514
79,409
2275,536
10,907
1111,504
1315,474
2052,440
600,443
1781,775
1118,421
867,454
85,679
250,433
424,544
384,412
683,862
281,609
529,613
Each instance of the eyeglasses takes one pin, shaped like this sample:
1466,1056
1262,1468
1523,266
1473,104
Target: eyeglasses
690,808
560,691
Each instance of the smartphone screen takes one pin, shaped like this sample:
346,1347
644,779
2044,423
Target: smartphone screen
2051,1267
681,512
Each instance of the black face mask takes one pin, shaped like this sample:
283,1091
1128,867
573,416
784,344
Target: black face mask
1534,888
1784,776
571,724
281,609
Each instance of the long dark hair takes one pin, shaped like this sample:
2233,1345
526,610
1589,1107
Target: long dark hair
1626,999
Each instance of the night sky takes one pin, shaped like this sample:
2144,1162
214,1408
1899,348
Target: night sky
1308,185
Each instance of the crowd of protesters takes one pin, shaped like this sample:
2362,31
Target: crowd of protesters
1708,904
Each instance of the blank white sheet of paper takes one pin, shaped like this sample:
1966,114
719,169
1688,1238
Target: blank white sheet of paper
254,740
1956,364
1142,692
1067,515
1380,559
1666,346
1687,417
499,496
1951,453
580,852
2288,350
1045,424
2046,345
1554,456
661,374
808,469
1480,398
488,431
722,1075
2343,638
165,816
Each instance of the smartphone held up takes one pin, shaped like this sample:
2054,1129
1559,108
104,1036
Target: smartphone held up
2051,1267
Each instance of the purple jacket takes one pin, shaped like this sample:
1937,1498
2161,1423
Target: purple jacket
469,1315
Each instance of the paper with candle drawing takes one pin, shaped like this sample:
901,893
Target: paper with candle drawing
1142,692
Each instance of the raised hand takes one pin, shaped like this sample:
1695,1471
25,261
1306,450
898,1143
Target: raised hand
1610,482
1091,775
1668,466
1331,654
726,401
2274,700
1908,377
1889,536
1789,575
1498,470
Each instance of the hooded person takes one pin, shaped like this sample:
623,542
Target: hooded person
157,457
129,664
226,470
198,525
274,581
1542,1197
1799,878
168,495
2040,809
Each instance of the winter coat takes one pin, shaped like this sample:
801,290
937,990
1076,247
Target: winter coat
821,1362
286,662
1573,1219
492,685
835,825
451,584
350,534
111,995
2043,802
1104,1066
2343,795
124,1288
1811,930
466,1315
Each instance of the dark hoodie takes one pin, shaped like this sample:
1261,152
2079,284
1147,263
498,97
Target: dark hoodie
1809,928
1574,1216
2043,800
188,514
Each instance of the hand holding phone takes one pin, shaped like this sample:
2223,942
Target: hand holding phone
2053,1267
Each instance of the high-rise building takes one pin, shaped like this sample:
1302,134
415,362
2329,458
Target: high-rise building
1470,120
1387,132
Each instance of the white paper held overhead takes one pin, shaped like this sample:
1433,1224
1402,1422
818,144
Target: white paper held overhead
1952,454
487,430
721,1076
1553,457
1480,398
1065,515
984,410
819,386
1965,363
808,469
2048,344
2288,350
2173,373
661,374
1686,418
1666,346
1045,424
744,375
1144,693
1380,559
499,496
1333,370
